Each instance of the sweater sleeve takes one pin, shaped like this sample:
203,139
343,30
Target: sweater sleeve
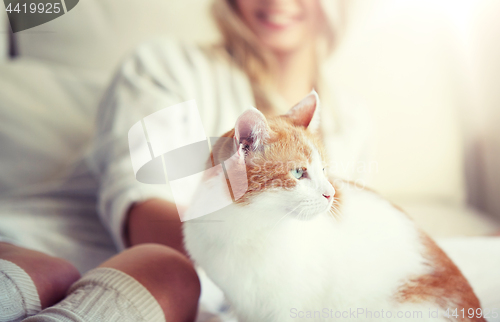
156,76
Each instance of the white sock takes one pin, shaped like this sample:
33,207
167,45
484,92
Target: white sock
18,295
104,295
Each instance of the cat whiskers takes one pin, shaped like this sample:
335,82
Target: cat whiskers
301,236
302,214
334,209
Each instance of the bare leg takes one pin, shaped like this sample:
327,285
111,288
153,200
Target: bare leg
166,273
52,276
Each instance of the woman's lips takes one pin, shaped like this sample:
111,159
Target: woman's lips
277,20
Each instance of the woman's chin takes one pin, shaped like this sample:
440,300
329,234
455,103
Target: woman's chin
281,45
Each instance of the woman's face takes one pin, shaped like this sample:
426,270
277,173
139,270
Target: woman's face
282,25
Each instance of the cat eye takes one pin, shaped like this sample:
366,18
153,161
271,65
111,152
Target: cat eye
298,173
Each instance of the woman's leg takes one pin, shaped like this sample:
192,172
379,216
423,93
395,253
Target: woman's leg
51,276
146,283
166,273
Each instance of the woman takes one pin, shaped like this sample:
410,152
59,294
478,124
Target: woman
271,57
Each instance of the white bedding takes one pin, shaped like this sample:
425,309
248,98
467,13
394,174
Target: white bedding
440,219
479,260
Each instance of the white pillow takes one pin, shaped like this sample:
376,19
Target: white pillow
48,97
46,117
97,33
4,35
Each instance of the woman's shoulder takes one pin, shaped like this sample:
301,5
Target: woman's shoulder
171,53
165,46
177,65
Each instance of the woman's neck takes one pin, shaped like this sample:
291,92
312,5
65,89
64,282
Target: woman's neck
295,73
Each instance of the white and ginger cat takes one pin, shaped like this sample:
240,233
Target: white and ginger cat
294,248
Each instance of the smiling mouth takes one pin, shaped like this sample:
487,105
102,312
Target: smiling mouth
277,20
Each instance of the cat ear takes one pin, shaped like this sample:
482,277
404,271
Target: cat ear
251,129
306,112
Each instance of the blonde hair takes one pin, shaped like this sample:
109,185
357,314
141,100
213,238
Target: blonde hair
246,51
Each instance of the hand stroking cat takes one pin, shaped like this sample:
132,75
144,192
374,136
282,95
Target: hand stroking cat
293,240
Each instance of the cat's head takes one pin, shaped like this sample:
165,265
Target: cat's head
285,161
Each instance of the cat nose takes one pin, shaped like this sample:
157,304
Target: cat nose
328,197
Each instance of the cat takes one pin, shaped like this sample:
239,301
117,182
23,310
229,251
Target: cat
294,247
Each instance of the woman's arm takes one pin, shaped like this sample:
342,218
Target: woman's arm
157,75
155,221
